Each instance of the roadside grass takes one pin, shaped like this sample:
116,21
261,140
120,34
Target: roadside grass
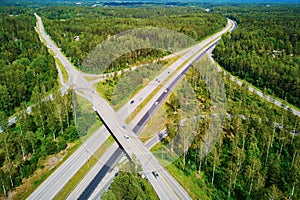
185,62
89,78
57,61
39,179
194,184
146,81
80,174
93,128
155,124
62,69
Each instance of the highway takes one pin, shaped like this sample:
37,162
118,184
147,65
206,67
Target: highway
101,133
57,180
141,119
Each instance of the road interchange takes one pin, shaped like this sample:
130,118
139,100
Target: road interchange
89,94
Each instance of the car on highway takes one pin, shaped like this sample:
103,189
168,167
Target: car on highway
156,103
155,174
161,135
126,137
131,101
166,91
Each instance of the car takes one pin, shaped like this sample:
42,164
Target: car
155,174
158,81
160,135
132,101
166,91
126,137
143,175
124,126
156,103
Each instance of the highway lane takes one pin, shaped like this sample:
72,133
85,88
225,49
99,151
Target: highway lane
55,182
137,98
168,87
73,74
107,178
118,136
185,55
150,87
61,176
133,146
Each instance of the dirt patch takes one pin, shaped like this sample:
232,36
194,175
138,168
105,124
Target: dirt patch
198,176
49,163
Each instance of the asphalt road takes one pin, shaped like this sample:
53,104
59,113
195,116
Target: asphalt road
145,117
81,150
61,176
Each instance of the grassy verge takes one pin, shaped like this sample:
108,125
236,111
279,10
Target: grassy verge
62,69
57,61
89,78
156,124
67,189
194,184
146,81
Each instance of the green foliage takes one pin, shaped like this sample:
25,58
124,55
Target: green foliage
119,89
264,49
34,137
130,185
95,25
24,61
254,157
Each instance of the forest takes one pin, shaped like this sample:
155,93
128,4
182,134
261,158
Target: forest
24,61
255,156
264,50
129,184
26,144
93,26
27,75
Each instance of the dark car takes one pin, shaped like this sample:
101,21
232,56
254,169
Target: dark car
155,174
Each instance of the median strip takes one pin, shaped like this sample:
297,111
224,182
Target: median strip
80,174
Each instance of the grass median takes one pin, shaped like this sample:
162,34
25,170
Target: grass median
69,187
